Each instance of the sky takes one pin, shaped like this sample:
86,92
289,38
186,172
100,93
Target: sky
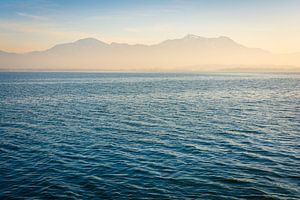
29,25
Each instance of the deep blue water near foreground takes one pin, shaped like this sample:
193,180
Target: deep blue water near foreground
149,135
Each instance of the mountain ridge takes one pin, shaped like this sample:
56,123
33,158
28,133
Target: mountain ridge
173,54
92,40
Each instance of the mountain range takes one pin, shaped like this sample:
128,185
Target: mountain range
190,53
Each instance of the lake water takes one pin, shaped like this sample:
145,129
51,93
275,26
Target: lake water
149,135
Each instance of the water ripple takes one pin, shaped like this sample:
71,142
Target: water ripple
149,136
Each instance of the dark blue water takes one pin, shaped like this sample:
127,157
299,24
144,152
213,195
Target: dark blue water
146,136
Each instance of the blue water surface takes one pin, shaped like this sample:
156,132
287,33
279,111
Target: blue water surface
149,136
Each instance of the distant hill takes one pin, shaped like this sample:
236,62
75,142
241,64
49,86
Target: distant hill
188,53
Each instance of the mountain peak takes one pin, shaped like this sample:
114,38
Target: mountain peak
224,38
191,36
89,41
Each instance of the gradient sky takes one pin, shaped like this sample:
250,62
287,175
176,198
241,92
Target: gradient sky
27,25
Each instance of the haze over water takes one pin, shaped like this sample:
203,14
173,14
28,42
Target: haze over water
149,135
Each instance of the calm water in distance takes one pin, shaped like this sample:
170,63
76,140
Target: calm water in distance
149,136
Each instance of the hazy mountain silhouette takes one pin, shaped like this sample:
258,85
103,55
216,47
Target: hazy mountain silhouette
188,53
